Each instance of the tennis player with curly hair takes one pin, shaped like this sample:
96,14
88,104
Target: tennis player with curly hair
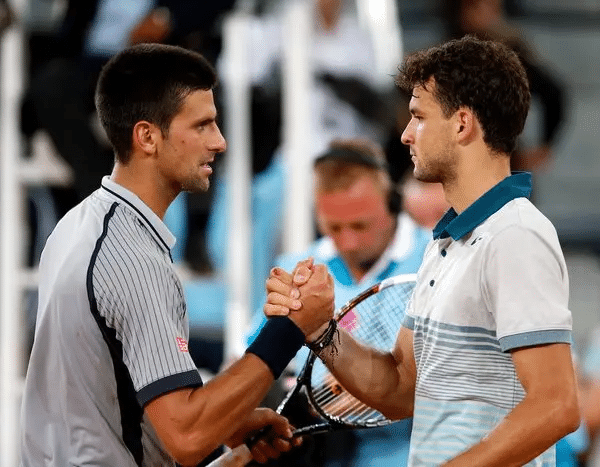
483,361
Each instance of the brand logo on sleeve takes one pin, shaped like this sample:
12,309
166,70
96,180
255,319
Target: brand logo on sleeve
182,344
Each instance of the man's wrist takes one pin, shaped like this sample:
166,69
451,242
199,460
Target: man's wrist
315,335
277,343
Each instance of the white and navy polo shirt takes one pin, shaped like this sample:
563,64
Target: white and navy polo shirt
493,279
111,335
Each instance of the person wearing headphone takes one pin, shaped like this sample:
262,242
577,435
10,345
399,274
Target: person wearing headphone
365,238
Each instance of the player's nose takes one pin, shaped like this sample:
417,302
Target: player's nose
218,143
407,135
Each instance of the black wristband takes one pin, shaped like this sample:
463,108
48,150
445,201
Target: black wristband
277,343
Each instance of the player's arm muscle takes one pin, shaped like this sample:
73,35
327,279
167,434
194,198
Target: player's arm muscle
382,380
548,412
193,422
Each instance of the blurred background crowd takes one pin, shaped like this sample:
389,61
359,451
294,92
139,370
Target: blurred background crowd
351,95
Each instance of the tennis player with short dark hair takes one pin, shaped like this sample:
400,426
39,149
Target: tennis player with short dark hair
483,361
110,380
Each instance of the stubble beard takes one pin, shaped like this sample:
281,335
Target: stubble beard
198,185
439,169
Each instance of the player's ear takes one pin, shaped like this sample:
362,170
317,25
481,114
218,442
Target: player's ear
145,136
465,125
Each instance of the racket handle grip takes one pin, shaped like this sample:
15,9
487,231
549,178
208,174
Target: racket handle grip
237,457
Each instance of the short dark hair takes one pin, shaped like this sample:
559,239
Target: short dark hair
147,82
485,76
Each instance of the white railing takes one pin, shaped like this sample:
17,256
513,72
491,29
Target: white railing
297,74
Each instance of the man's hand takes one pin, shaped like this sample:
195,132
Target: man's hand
282,288
275,441
305,296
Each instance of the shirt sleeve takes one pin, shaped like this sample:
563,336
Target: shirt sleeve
526,288
142,302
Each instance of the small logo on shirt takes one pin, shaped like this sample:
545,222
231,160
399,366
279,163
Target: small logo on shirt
476,240
182,344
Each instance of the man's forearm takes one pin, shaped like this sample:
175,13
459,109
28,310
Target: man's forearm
527,431
370,375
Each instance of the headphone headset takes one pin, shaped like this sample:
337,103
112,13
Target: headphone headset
355,156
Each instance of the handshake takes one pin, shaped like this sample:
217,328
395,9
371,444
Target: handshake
300,306
305,296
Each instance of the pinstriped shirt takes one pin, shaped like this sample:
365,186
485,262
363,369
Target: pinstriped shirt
111,335
493,279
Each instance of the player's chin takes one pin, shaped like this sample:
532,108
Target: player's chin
196,185
423,175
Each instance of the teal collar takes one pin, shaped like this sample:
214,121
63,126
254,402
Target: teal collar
517,185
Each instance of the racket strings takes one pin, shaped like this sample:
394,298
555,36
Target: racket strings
374,321
339,403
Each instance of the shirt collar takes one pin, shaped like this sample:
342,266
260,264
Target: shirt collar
517,185
122,195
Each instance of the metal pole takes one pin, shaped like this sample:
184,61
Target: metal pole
238,172
11,222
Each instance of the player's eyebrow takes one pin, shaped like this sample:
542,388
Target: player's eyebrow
413,109
205,121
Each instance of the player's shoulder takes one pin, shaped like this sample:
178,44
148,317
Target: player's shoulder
81,224
521,213
129,245
520,219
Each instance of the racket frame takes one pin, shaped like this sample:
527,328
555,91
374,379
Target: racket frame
332,422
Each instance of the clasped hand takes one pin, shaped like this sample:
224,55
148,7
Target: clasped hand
306,296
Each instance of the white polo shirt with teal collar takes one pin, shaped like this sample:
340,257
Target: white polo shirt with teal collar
493,279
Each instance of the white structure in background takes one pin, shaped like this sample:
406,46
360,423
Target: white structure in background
12,253
297,84
238,168
381,19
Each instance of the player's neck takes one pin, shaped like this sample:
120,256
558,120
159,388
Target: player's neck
144,186
474,178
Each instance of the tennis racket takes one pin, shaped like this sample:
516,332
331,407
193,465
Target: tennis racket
373,318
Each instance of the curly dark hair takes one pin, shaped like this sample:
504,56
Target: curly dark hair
483,75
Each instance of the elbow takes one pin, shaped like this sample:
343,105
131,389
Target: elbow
572,417
567,414
395,413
